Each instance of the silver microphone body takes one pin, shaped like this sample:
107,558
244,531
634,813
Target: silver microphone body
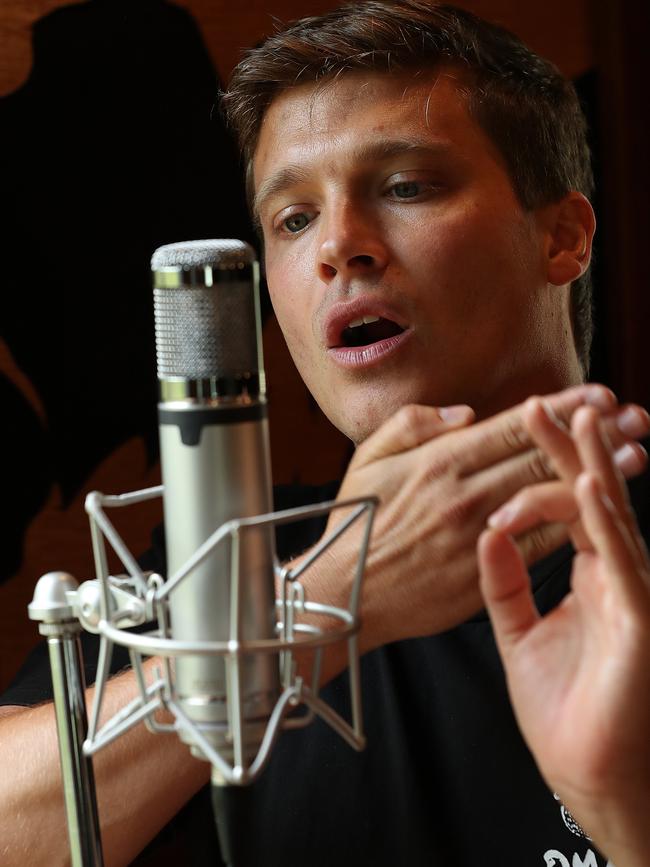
215,464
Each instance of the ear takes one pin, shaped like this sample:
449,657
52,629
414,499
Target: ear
569,225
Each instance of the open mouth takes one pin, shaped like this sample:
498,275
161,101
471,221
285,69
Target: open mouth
369,330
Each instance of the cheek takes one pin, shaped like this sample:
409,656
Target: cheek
291,287
484,251
284,289
450,241
295,320
291,317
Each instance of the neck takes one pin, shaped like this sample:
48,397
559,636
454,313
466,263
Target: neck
539,382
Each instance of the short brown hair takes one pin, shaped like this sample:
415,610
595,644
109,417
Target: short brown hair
522,102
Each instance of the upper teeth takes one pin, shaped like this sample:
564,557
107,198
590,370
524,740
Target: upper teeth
365,320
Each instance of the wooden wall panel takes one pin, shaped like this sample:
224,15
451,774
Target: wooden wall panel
558,29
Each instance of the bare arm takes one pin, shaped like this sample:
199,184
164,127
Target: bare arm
142,782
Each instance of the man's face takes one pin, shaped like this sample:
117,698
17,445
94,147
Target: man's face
401,266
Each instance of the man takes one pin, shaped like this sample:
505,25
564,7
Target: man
420,182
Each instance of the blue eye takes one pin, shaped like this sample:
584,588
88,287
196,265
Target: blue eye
295,222
406,189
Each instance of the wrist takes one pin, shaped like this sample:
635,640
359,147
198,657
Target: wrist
618,826
330,581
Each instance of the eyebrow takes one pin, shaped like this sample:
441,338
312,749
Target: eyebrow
375,151
289,176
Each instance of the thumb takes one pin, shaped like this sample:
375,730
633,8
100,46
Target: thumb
410,427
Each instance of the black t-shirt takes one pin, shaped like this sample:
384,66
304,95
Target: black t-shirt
445,780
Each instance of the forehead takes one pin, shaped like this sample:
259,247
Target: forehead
330,120
351,92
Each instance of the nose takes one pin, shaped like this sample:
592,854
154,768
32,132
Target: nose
351,244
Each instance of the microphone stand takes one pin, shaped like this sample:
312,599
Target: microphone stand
61,628
108,604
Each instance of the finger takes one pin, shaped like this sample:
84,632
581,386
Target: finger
623,552
553,436
497,486
505,434
596,456
539,542
505,587
535,466
531,510
540,504
536,499
410,427
557,454
631,459
626,423
550,433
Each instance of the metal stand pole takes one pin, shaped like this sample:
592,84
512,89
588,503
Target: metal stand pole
58,624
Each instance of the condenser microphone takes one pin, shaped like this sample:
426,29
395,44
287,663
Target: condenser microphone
215,466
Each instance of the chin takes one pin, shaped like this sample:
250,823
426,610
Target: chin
355,426
360,421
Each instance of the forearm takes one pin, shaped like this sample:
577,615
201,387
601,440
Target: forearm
329,580
142,781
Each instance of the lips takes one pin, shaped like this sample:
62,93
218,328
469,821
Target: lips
363,331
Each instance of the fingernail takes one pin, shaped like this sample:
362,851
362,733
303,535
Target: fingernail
629,458
600,397
552,415
458,412
633,422
503,517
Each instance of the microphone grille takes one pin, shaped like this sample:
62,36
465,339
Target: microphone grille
207,319
220,252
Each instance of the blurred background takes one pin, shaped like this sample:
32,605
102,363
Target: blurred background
111,147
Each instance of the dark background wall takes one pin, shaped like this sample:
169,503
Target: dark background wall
110,150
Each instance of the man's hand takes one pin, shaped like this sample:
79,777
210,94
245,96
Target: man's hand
579,678
437,480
